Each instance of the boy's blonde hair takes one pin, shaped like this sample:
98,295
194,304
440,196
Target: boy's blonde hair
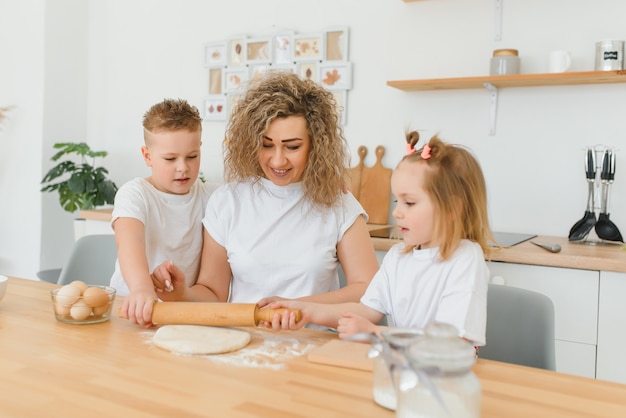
277,95
172,115
456,185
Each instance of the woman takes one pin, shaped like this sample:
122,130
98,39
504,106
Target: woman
281,224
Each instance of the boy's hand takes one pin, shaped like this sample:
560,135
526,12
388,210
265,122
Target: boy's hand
137,307
351,324
169,281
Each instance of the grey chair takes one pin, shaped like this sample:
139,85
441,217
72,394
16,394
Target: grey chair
520,327
92,260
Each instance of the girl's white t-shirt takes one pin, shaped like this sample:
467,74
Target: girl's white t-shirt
417,288
172,224
277,242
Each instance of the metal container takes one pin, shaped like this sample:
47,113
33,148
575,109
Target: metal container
609,55
504,62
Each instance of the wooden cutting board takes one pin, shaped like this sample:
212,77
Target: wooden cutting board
375,191
355,173
340,353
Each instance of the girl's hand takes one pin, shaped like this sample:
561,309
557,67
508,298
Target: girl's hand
287,321
351,324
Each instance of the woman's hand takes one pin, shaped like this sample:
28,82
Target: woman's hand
351,324
287,321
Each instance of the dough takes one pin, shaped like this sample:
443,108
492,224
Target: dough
197,339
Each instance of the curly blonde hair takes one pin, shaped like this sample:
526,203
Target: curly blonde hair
278,94
456,185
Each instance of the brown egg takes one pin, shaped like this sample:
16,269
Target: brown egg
79,284
80,310
95,296
100,310
67,295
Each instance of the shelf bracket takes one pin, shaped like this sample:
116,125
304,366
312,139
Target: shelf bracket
493,111
498,20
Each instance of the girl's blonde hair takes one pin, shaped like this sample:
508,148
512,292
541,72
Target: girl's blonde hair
456,185
277,95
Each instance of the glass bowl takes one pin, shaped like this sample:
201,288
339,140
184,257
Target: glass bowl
78,303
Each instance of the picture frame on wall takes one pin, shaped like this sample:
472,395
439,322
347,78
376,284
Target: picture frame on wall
308,46
336,43
235,78
335,75
215,54
257,70
290,68
216,80
259,51
283,48
237,51
309,70
215,108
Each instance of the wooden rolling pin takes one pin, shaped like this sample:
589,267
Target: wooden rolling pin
214,313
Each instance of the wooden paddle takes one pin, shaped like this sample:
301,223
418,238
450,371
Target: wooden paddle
375,191
355,173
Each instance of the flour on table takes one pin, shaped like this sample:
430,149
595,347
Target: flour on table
267,349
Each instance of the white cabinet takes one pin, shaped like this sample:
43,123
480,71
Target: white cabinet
575,297
611,364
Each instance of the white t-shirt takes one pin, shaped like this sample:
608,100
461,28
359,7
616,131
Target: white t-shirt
277,243
417,288
172,223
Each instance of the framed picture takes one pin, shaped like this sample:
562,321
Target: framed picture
283,48
336,44
237,51
215,54
341,97
216,80
258,70
259,51
309,70
290,68
308,47
336,75
235,79
215,108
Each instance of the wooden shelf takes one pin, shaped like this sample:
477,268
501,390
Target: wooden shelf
517,80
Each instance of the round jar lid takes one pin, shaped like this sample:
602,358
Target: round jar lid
442,347
503,52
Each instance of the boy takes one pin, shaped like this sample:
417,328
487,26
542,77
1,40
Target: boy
159,218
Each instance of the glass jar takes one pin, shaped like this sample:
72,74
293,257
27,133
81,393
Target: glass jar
443,384
390,360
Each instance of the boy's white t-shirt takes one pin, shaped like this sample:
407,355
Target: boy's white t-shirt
417,288
172,223
277,243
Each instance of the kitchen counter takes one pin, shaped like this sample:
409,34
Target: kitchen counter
112,369
605,257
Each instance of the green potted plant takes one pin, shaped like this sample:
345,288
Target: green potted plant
87,185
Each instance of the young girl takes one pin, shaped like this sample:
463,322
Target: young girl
439,272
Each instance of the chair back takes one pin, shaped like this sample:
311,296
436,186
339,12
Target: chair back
520,327
92,260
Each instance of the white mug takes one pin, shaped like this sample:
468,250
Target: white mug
560,61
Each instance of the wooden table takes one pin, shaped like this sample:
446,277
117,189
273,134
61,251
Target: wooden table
52,369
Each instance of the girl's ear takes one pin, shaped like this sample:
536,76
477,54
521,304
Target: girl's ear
145,152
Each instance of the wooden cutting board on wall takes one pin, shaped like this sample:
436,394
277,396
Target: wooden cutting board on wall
375,190
355,173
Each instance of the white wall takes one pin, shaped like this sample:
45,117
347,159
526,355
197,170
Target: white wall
140,51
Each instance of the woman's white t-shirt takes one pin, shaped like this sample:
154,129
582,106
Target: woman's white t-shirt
172,224
277,242
416,288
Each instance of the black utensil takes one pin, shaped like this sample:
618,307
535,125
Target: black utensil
581,229
605,228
